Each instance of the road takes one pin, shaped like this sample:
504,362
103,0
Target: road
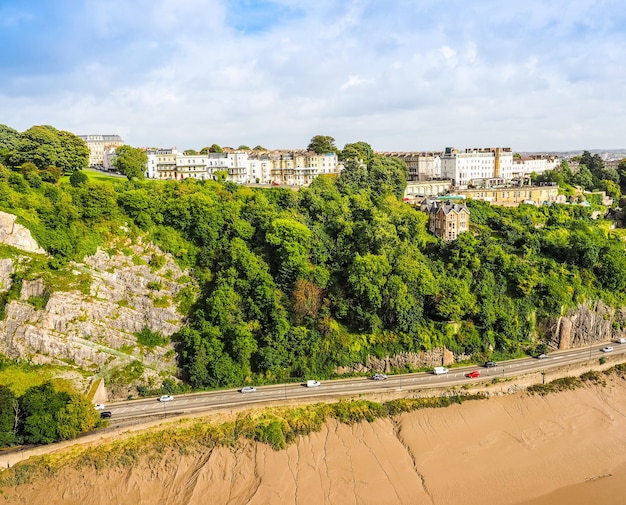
225,399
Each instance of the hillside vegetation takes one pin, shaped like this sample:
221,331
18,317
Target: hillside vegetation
297,283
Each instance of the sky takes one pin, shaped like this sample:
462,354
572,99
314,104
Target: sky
402,75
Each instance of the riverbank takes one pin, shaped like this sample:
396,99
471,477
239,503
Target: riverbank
517,449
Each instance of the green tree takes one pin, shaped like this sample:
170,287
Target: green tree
39,406
76,417
131,162
78,178
322,144
611,270
359,151
215,149
9,140
583,178
367,278
388,175
611,189
259,148
75,153
243,147
8,414
353,177
39,145
621,170
291,241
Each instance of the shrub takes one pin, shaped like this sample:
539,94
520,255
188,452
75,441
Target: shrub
78,178
151,339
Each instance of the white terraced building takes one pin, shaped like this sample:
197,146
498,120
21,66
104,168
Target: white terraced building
297,168
474,165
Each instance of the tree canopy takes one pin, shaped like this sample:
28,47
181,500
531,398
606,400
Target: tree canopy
131,161
44,147
322,144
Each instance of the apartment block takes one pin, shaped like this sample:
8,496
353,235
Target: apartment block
98,145
471,166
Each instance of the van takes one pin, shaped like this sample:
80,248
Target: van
312,384
621,340
440,370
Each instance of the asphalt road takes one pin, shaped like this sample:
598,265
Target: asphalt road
225,399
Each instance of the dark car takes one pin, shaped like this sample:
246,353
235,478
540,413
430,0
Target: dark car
105,415
490,364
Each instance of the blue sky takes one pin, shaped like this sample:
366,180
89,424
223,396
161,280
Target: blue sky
533,75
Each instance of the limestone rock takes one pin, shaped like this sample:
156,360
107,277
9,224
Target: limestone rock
586,325
6,269
97,330
16,235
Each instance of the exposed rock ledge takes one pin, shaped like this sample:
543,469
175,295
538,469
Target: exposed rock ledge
16,235
97,330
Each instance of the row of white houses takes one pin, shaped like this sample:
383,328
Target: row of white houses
297,168
463,168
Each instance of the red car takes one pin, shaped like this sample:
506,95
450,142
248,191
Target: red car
472,375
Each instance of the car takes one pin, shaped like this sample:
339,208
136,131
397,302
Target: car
608,348
620,340
166,398
312,384
379,376
248,389
99,406
473,374
105,414
440,370
490,364
542,356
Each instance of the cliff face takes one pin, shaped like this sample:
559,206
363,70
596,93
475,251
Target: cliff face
587,324
94,328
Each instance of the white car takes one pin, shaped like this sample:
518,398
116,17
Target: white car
166,398
379,377
248,389
99,406
312,384
608,348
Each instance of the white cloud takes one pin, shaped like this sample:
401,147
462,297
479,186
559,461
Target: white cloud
353,80
399,75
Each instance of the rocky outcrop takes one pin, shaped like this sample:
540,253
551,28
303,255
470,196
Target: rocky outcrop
16,235
6,270
96,328
586,325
